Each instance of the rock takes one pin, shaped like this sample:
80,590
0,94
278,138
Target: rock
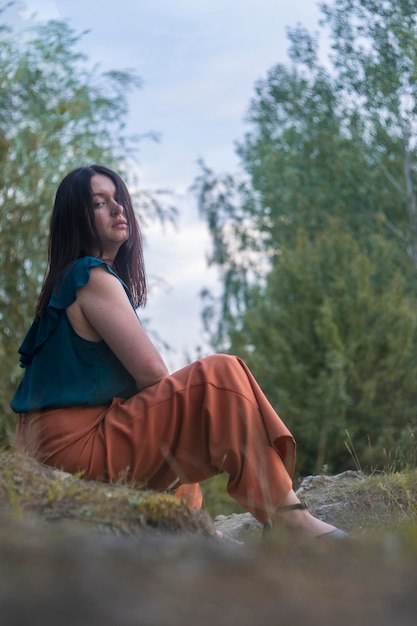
314,483
30,490
328,497
238,526
315,490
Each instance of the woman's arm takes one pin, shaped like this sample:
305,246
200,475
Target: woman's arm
105,305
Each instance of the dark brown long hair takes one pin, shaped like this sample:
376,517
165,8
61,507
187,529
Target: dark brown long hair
73,235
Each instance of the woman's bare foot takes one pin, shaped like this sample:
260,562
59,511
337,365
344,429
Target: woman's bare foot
299,522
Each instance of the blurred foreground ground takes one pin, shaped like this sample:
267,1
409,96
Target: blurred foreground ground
73,553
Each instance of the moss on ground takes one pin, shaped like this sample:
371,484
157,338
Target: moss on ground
30,491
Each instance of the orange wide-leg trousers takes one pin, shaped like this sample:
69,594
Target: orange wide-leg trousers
204,419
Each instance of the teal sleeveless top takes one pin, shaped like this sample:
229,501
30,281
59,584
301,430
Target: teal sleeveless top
61,368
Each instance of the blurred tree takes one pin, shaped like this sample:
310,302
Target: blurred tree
331,338
375,57
325,142
55,114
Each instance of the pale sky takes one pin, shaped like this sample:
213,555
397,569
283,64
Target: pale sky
199,61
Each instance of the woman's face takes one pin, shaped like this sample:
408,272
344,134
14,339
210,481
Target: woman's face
109,216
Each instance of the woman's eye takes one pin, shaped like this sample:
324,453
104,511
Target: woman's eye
97,205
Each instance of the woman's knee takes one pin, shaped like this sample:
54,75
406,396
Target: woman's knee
224,368
221,360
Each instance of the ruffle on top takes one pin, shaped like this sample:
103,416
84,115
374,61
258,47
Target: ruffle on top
74,276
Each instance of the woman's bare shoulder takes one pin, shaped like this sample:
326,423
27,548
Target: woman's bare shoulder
103,281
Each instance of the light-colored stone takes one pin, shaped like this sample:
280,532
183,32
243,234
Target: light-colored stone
313,490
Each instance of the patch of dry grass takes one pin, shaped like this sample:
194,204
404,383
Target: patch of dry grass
30,491
385,501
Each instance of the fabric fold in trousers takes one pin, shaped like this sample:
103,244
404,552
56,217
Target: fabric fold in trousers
204,419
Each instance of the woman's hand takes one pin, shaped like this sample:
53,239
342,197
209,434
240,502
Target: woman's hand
104,304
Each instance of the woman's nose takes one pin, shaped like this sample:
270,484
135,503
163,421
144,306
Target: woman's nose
117,208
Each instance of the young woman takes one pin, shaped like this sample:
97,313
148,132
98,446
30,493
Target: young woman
96,396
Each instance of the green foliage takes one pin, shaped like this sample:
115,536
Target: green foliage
56,113
374,54
305,160
316,237
331,338
216,500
